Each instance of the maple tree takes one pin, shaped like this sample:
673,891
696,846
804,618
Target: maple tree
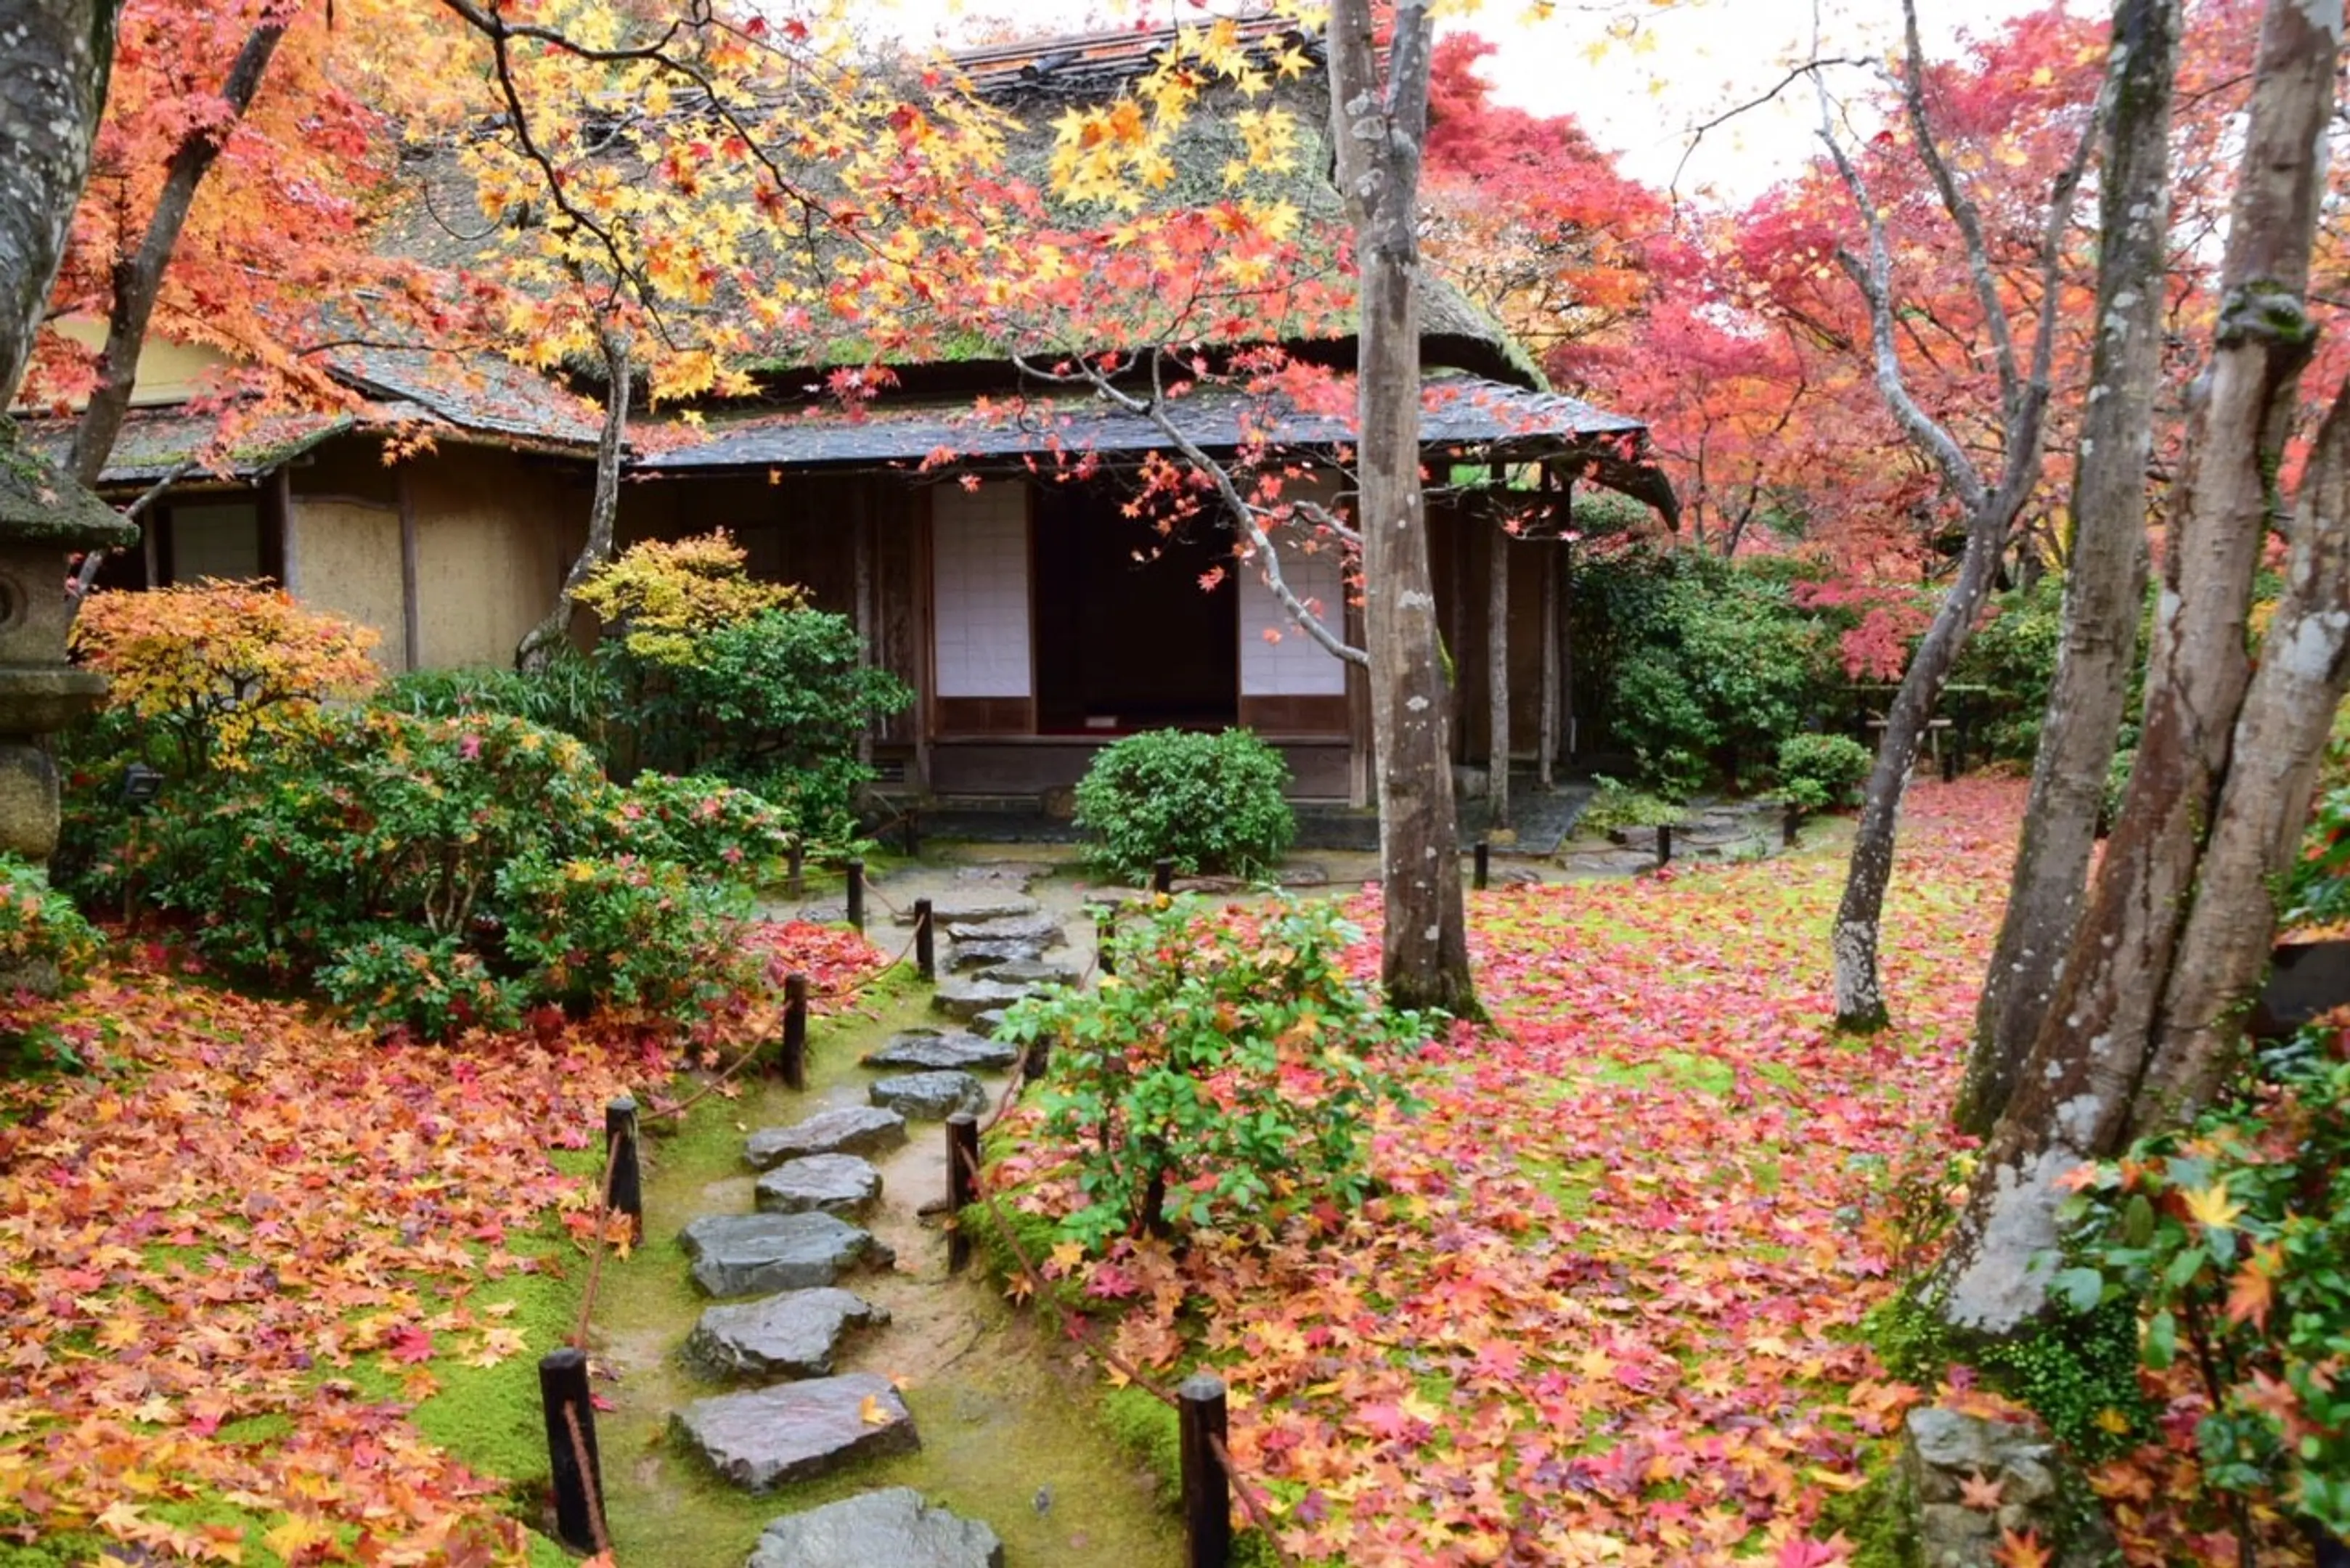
55,62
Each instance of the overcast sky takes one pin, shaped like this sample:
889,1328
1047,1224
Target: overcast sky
1689,64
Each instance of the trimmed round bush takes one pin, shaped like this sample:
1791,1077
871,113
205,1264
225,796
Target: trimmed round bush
1212,804
1817,772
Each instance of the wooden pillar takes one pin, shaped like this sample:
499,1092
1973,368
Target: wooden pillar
1497,662
1564,569
860,529
1456,632
412,614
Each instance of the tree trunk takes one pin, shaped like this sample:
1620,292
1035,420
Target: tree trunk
1859,996
1497,681
55,55
2073,1100
138,276
539,644
2107,581
1379,126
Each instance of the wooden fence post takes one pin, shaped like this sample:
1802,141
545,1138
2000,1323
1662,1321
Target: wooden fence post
855,869
1162,876
628,1180
795,1003
926,946
577,1470
1484,863
1664,845
963,1185
1207,1490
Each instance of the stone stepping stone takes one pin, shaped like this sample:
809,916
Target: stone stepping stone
754,1254
893,1526
931,1096
766,1436
839,1184
987,1022
844,1129
973,907
986,955
1035,971
1038,927
966,999
790,1335
931,1050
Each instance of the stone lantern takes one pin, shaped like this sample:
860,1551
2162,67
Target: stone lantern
44,518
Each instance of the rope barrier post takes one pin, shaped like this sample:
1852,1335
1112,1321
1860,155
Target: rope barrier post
1035,1060
795,1000
855,869
1104,934
1664,845
628,1194
1791,827
578,1471
1207,1489
913,827
1950,763
796,868
1484,863
1163,875
926,946
963,1185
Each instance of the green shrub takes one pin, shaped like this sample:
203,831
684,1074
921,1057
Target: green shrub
1819,772
705,825
1209,802
2011,657
643,935
42,936
2231,1243
572,692
429,985
1615,804
1226,1074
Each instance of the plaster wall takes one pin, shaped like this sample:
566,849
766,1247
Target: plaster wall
979,574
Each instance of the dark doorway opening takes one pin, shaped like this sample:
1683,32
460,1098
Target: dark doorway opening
1127,638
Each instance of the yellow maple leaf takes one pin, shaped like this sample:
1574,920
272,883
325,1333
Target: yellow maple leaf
297,1533
2211,1206
870,1411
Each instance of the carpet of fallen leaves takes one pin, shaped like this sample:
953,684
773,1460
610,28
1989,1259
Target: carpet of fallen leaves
221,1248
1608,1311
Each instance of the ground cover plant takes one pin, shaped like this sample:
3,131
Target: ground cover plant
1605,1303
275,1294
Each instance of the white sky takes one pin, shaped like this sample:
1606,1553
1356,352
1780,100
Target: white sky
1690,64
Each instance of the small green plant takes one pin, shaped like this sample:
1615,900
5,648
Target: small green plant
641,935
1226,1074
2231,1243
704,825
420,984
1821,772
1615,804
1209,802
2117,777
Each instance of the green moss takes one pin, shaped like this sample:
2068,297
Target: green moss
257,1429
2076,1370
1876,1519
1145,1428
489,1417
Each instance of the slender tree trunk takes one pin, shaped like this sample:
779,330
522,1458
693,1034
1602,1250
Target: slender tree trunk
539,644
2107,581
2074,1099
1497,680
139,275
1380,125
55,55
1859,997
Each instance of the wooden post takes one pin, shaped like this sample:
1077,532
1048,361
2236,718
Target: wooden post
1484,865
1207,1490
913,826
1547,734
796,868
1790,829
1950,761
1497,671
1162,876
926,946
855,869
1664,845
412,613
628,1178
963,1185
795,1000
1105,938
1566,574
577,1470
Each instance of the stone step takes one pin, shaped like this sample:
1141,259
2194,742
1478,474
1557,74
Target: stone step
839,1184
893,1527
789,1336
987,955
972,906
1035,971
1039,928
754,1254
763,1437
931,1096
844,1129
966,999
932,1049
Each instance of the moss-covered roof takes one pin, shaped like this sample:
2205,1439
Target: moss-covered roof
40,502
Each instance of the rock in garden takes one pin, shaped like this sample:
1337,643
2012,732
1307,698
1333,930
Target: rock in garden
987,955
931,1096
967,997
768,1436
1039,928
930,1049
987,1022
844,1129
970,907
753,1254
893,1526
1033,971
1950,1462
827,1183
789,1336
